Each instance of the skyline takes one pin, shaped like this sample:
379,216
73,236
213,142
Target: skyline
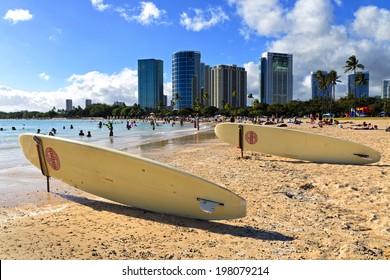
53,51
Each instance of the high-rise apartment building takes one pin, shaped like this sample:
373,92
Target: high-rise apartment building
186,78
228,86
316,92
150,83
386,88
88,102
362,90
205,84
69,105
276,77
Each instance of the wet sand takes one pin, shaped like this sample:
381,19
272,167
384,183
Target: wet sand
296,209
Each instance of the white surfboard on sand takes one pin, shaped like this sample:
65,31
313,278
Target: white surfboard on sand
130,180
296,144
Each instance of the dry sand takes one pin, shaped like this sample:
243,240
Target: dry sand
296,210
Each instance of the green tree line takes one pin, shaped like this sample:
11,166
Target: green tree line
293,108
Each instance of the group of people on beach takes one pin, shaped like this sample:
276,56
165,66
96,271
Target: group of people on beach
315,121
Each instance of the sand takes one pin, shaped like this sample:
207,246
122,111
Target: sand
296,210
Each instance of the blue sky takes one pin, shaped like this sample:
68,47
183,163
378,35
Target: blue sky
55,50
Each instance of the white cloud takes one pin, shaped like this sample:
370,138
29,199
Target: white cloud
372,22
99,5
55,35
44,76
145,14
252,78
100,87
18,15
338,2
203,19
310,17
263,17
307,30
149,13
168,91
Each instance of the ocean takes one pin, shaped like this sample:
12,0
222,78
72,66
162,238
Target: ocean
16,172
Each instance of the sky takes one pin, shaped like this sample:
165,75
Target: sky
55,50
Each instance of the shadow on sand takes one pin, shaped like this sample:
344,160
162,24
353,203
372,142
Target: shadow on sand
214,227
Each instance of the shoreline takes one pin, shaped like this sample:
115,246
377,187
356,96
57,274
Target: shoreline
296,210
24,185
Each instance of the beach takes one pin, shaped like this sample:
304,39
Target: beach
296,210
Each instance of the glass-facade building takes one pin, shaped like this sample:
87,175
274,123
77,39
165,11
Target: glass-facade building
386,88
186,78
361,90
276,78
150,83
316,92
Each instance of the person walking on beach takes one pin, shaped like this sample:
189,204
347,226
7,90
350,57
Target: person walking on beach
320,119
196,122
111,128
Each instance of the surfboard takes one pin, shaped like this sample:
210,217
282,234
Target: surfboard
130,180
296,144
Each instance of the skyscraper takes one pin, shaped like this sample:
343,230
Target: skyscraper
88,102
386,88
316,92
205,84
69,105
186,78
228,85
362,90
150,83
276,77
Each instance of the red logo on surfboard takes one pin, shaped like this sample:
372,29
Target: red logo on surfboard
251,137
52,159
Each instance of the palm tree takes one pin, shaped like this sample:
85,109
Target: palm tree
197,105
234,95
333,79
360,80
175,99
351,64
322,84
205,98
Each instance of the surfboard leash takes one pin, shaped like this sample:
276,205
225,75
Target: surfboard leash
241,139
42,161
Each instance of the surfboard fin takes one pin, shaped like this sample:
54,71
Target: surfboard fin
208,205
363,156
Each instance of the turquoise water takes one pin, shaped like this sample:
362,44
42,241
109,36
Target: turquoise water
21,182
124,139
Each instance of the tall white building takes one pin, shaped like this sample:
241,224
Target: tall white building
276,78
228,85
386,88
205,84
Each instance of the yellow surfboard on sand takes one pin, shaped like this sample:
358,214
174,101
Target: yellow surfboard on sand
296,144
130,180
